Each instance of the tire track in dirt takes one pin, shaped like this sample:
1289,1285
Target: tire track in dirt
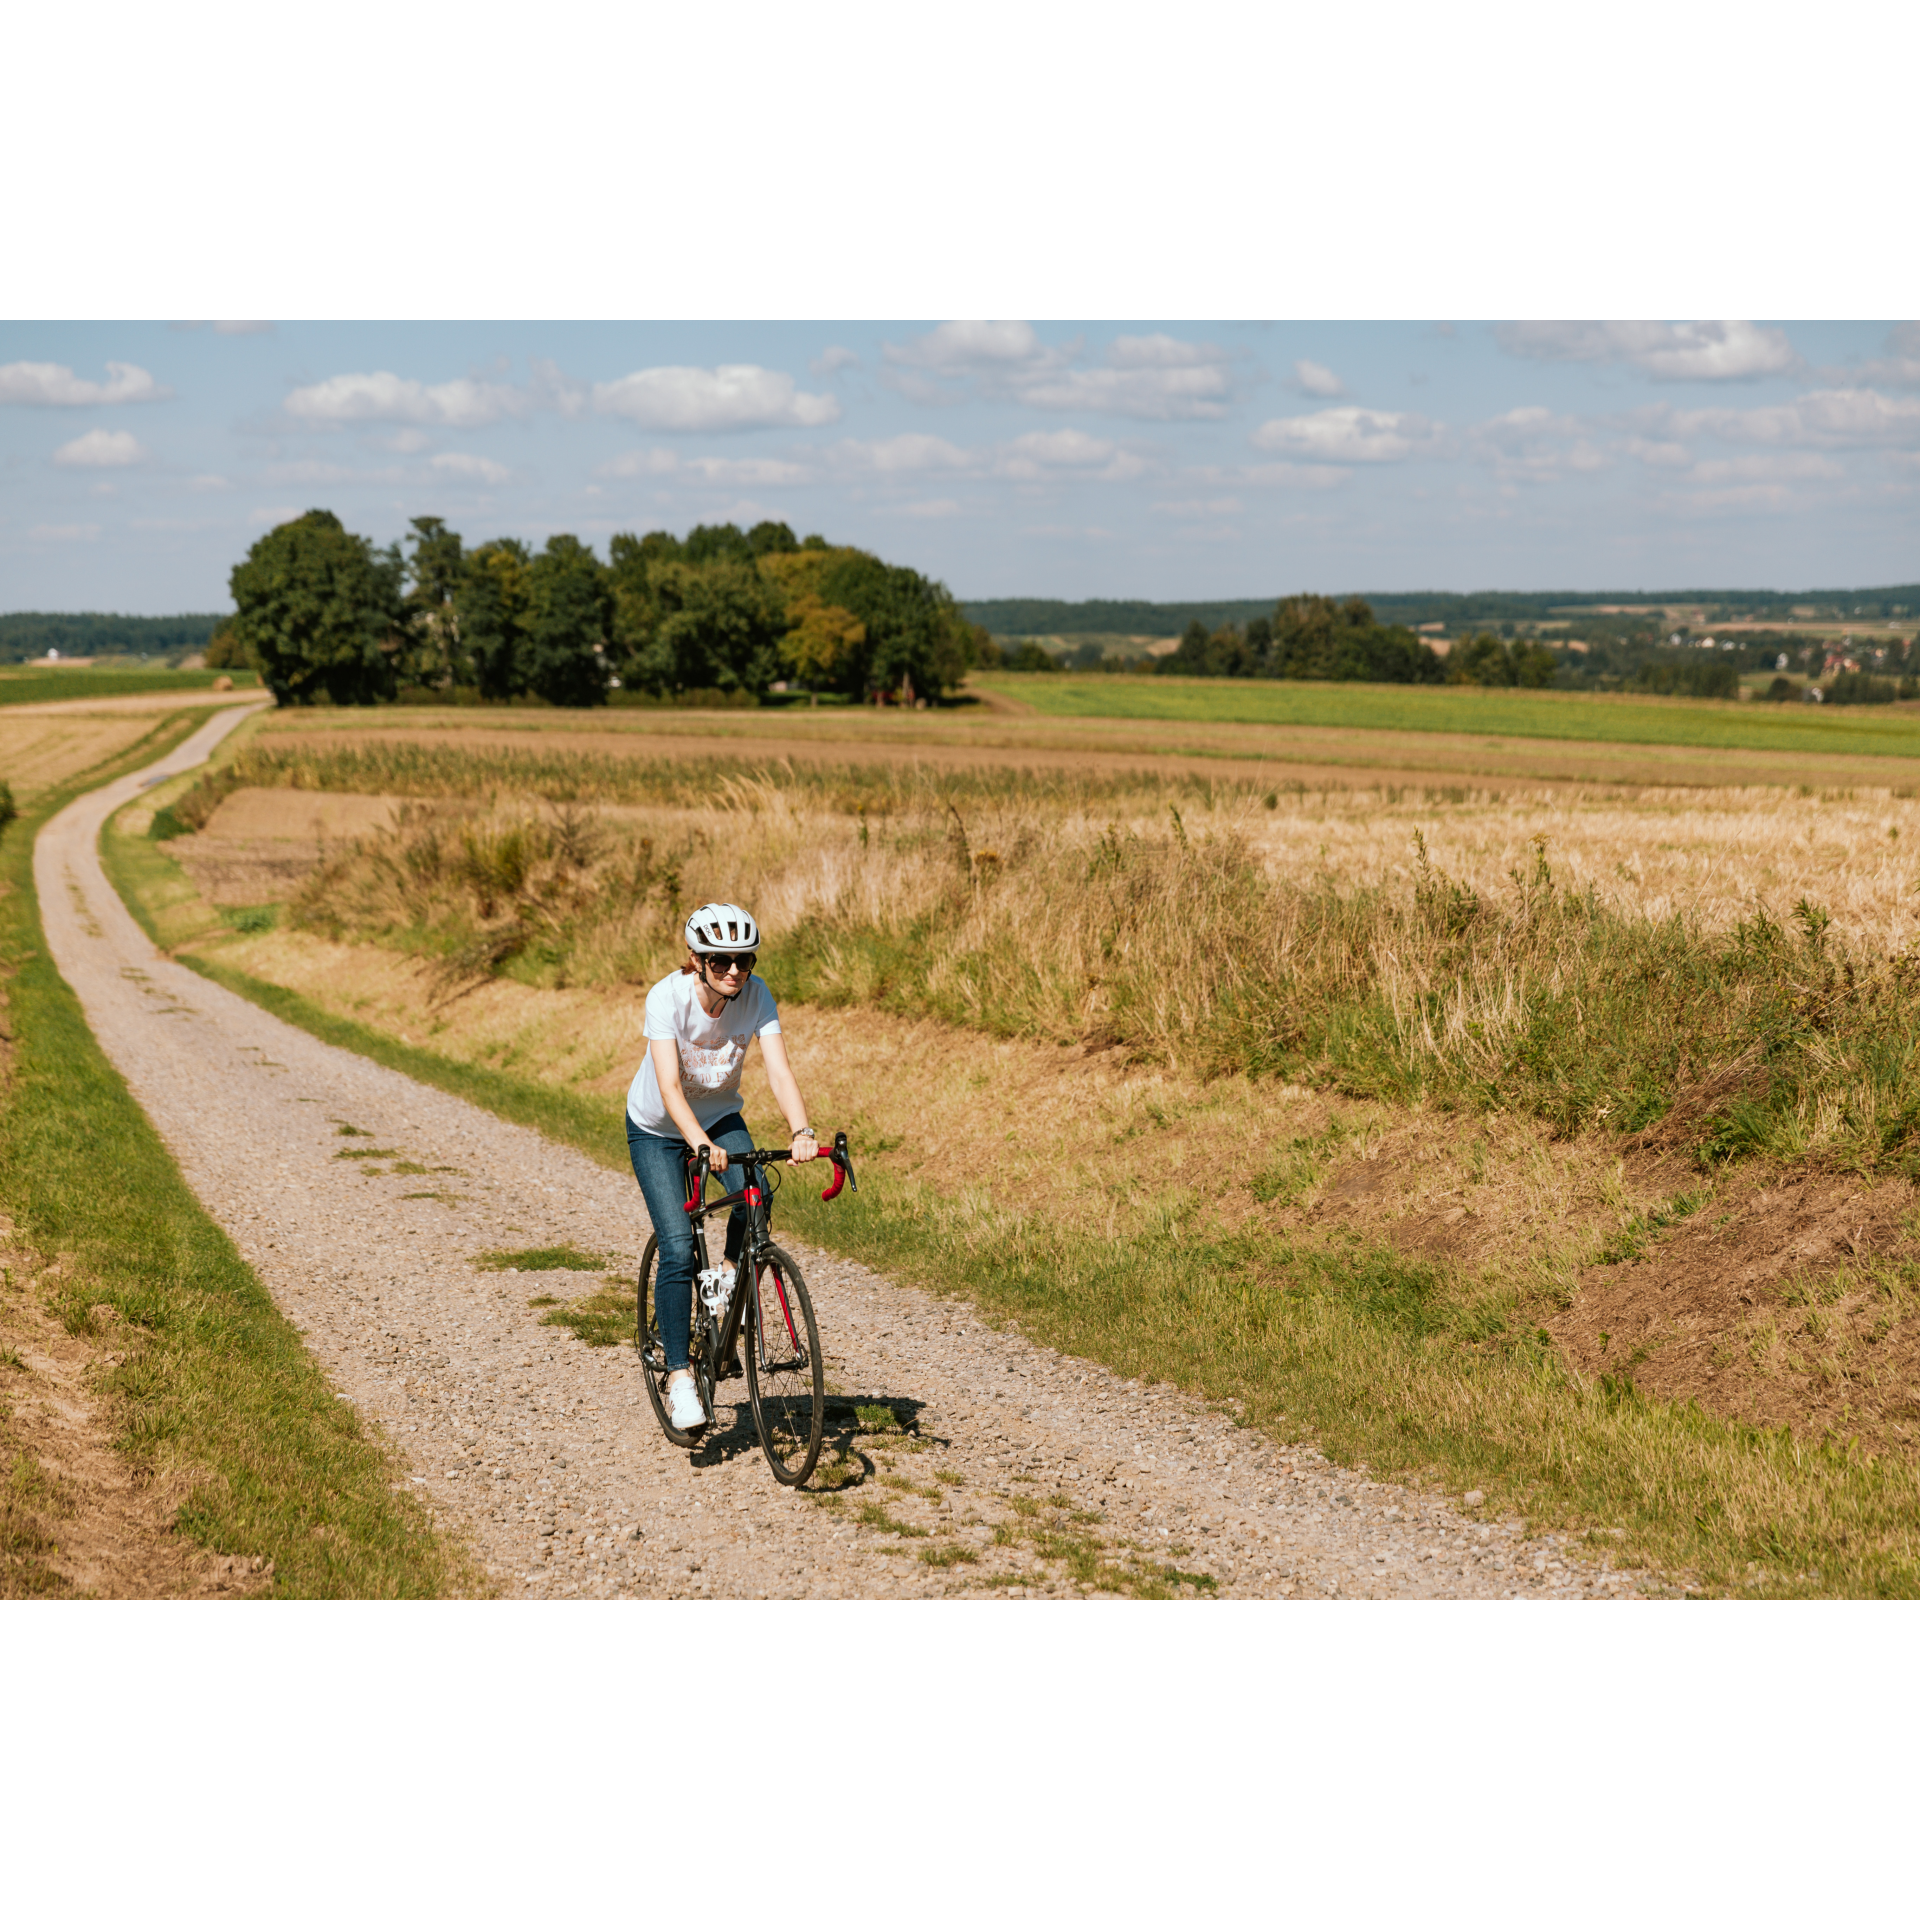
1005,1469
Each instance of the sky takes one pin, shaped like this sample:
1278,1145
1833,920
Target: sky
1146,459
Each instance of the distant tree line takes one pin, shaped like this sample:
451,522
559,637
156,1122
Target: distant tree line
28,636
1157,619
323,612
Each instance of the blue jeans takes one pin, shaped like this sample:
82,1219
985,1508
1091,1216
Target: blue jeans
659,1164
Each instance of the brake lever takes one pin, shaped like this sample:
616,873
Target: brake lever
700,1183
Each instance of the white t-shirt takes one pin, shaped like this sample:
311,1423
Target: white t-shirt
712,1051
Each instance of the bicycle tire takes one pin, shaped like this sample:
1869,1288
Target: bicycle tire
786,1373
653,1359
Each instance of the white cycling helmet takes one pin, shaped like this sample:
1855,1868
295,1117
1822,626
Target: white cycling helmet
720,928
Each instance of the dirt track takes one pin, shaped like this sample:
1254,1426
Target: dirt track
542,1451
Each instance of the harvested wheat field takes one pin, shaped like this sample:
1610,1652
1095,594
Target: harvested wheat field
998,737
1553,1139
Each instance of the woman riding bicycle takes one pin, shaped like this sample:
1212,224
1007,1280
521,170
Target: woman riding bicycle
700,1022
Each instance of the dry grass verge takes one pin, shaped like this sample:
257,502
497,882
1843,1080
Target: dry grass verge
1482,1103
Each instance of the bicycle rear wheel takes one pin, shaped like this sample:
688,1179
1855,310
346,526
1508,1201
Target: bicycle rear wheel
653,1359
786,1376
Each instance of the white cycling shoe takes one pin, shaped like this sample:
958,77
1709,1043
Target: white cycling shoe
683,1403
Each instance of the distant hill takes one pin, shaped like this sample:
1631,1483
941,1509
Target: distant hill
1163,619
27,636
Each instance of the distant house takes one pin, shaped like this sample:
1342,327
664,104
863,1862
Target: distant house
1815,695
1780,664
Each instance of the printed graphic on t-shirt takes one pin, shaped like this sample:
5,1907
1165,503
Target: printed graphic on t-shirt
708,1069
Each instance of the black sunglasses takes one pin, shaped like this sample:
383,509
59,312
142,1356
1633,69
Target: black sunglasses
728,962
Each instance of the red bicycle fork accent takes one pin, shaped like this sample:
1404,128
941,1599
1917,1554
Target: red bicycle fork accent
780,1289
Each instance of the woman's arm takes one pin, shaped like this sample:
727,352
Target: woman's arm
666,1069
786,1091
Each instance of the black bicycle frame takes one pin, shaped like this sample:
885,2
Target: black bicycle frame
757,1203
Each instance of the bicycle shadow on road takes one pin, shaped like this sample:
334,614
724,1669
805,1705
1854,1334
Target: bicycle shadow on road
850,1420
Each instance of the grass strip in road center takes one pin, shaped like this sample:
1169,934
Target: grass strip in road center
214,1390
1352,1350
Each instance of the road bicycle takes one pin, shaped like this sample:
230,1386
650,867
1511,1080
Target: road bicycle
768,1303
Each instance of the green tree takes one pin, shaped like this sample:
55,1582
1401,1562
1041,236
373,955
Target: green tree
570,622
1317,638
1484,661
631,561
436,566
226,648
918,644
320,610
719,625
772,536
493,609
1190,656
725,542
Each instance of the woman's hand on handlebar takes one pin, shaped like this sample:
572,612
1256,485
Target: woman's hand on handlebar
805,1147
716,1157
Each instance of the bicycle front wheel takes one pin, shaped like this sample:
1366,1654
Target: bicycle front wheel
786,1376
653,1358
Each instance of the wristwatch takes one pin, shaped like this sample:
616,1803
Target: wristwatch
807,1131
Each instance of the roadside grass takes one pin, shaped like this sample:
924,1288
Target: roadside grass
213,1390
1611,717
1210,944
1363,1352
1768,1036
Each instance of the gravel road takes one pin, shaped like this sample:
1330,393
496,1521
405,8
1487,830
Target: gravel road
1007,1471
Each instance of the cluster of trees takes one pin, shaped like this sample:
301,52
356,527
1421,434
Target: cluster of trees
323,611
1701,676
28,636
1307,637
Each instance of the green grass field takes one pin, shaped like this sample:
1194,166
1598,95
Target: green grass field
206,1382
1600,717
27,686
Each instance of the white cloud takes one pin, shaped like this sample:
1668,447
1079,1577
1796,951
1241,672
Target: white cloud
1689,350
1143,376
552,388
970,346
1034,456
634,466
1658,453
1536,443
273,516
209,483
1309,376
712,400
39,383
1732,501
351,397
69,534
903,453
834,360
1147,377
1350,435
407,440
100,448
1769,466
471,466
751,473
1197,509
1831,417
